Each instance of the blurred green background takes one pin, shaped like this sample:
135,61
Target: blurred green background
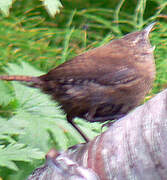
32,43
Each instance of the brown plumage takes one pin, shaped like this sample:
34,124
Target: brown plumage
104,83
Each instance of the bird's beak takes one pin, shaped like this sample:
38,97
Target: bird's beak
148,28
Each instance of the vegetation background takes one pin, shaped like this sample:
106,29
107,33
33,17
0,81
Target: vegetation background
32,42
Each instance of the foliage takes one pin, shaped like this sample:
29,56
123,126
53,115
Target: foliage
32,43
51,5
17,152
5,5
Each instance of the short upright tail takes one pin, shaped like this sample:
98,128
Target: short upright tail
36,82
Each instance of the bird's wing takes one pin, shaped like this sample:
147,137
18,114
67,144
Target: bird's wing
122,76
104,65
85,71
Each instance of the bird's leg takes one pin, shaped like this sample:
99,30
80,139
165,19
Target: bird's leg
112,121
90,115
106,118
70,120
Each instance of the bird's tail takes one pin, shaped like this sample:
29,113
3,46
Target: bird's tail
34,81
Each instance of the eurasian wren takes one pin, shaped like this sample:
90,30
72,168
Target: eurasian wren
104,83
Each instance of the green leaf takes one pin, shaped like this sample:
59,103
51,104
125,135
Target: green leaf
52,6
17,152
11,127
5,93
5,6
23,68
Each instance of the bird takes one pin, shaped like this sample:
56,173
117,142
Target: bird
104,83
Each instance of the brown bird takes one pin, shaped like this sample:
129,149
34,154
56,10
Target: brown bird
101,84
